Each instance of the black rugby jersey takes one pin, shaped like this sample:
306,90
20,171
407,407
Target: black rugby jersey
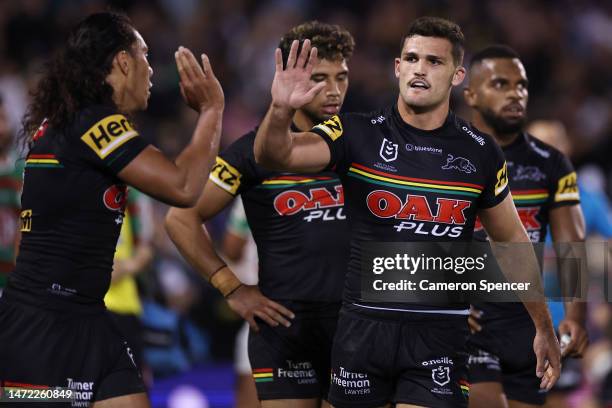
298,223
541,179
72,208
404,184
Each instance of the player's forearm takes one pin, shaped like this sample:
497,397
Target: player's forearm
518,262
573,277
185,229
273,141
196,159
576,311
538,311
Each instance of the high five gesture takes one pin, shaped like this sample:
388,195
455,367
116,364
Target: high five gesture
292,87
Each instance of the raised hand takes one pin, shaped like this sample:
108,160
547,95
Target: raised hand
292,87
200,88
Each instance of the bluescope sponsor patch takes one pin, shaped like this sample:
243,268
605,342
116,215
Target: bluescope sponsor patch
108,134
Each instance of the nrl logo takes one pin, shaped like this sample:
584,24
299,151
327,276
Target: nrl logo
388,150
441,375
459,163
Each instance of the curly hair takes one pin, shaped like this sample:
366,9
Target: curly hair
440,28
332,41
74,77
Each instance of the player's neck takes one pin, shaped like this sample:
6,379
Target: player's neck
502,139
426,119
302,121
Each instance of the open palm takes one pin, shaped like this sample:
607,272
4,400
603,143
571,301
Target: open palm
292,87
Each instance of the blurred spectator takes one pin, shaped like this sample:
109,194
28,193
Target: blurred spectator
11,171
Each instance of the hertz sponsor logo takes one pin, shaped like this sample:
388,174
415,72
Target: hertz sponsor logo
108,134
225,176
25,221
332,127
567,188
502,179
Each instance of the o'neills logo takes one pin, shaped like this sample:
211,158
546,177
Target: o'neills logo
442,360
479,139
385,204
320,202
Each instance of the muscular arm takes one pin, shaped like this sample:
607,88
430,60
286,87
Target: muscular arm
567,228
184,226
279,149
180,183
519,264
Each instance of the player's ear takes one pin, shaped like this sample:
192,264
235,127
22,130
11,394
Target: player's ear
121,62
397,67
469,96
459,76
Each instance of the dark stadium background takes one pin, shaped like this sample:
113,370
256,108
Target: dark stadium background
566,46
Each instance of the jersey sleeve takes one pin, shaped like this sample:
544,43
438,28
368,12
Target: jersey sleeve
563,189
235,168
108,138
332,131
496,187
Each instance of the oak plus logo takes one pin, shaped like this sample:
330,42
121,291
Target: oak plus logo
416,215
388,150
115,197
319,203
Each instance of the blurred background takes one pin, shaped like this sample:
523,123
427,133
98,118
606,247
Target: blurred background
566,46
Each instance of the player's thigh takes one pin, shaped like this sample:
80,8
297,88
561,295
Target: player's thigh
139,400
246,393
408,406
487,395
293,403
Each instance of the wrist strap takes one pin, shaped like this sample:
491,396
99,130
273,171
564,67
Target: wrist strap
224,280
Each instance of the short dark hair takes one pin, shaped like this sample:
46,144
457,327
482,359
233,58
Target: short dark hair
332,41
440,28
492,52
